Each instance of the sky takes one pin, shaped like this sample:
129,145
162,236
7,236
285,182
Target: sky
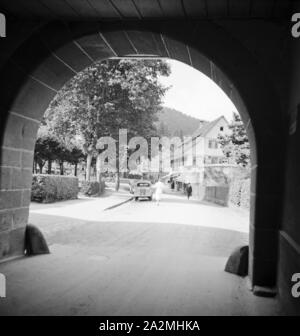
195,94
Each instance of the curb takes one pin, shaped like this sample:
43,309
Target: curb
118,204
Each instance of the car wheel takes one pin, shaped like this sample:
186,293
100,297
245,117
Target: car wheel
150,198
136,198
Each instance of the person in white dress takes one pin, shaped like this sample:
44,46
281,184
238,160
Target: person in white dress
158,191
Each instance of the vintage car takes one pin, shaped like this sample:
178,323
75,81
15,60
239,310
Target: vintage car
143,189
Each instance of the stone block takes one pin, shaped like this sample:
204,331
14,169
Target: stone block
10,199
119,43
264,291
10,157
5,178
145,43
200,62
20,132
95,47
5,221
264,272
238,261
264,243
177,50
69,52
4,244
32,99
16,242
26,160
10,87
268,179
266,210
150,9
20,217
26,198
21,178
51,71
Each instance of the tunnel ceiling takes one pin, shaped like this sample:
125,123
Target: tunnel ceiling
145,9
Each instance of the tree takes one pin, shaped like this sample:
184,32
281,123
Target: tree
46,149
52,147
39,157
106,97
236,145
75,156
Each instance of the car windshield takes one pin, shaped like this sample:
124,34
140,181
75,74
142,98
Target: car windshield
143,184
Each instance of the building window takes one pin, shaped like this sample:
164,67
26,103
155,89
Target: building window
208,159
221,128
212,144
194,161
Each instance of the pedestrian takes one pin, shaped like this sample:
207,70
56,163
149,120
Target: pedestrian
158,191
189,190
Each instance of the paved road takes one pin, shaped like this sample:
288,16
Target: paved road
139,259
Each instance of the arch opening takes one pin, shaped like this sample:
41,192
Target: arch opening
37,78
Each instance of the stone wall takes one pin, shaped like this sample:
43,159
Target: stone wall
239,194
289,230
217,194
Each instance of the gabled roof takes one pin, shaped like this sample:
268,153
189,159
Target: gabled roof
205,127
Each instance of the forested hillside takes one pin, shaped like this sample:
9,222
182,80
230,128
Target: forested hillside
175,123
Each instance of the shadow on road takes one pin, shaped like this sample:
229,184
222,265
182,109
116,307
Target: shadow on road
202,240
129,268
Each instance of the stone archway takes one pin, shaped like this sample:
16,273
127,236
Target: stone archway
56,52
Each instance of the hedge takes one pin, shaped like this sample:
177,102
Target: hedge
92,188
52,188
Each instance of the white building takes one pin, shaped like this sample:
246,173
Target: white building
202,157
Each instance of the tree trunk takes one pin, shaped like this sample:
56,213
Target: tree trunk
75,169
49,166
41,168
61,167
98,170
99,175
88,166
117,185
101,184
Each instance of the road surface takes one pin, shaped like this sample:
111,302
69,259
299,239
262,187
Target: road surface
136,259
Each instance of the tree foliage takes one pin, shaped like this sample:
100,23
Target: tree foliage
45,148
49,148
106,97
236,145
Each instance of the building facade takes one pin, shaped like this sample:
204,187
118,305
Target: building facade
203,163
